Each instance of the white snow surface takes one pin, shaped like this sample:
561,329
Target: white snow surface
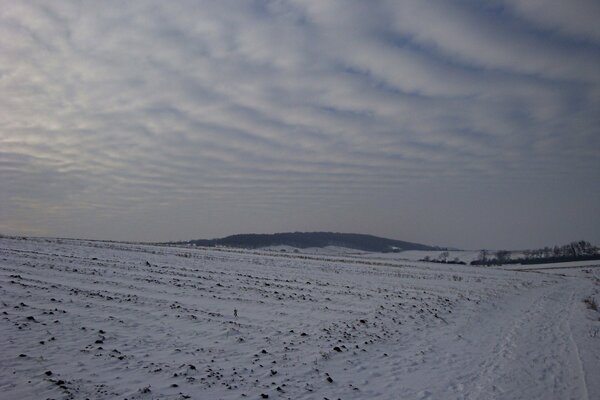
104,320
406,255
327,250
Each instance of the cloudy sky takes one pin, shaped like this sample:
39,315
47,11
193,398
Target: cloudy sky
458,123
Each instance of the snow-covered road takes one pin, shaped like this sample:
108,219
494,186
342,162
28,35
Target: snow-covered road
106,320
523,348
534,352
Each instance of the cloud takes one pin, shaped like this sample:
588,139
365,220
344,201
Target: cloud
576,18
154,108
489,38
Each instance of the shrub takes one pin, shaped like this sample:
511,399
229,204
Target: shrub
591,303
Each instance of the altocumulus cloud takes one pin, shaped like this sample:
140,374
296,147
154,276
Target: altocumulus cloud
459,123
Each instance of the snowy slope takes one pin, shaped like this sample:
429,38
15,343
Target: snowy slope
107,320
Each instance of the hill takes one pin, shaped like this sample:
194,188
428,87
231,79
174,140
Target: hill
312,239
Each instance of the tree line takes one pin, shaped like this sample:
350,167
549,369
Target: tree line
574,251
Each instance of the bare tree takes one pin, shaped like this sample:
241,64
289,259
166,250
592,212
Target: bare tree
502,256
483,256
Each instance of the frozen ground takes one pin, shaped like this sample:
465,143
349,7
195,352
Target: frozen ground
409,255
105,320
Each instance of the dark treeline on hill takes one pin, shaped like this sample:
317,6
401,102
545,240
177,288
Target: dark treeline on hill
574,251
312,239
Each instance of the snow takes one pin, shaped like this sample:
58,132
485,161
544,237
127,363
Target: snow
415,255
105,320
327,250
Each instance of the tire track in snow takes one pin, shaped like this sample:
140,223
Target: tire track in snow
486,381
534,353
583,382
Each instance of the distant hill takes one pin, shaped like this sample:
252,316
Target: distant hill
312,239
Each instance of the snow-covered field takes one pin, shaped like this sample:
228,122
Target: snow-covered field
104,320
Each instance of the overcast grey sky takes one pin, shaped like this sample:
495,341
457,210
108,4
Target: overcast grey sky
457,123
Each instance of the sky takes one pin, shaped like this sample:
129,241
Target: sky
455,123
